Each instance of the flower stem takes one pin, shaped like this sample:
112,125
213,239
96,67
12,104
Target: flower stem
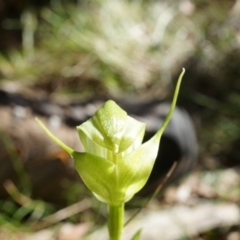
115,221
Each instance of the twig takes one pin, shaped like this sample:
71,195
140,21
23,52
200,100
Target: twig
16,194
62,214
51,219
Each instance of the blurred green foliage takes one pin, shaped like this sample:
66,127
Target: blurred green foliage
123,45
118,48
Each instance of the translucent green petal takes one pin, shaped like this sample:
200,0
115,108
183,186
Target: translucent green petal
118,137
100,176
106,127
133,135
112,120
135,168
93,132
93,148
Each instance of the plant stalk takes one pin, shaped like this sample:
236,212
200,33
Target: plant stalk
115,221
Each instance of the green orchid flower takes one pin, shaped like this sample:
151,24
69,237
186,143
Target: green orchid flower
115,164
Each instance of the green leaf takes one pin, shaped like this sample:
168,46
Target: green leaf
136,236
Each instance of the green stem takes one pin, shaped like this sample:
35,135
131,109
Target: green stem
115,221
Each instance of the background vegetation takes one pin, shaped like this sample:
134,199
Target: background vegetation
80,49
